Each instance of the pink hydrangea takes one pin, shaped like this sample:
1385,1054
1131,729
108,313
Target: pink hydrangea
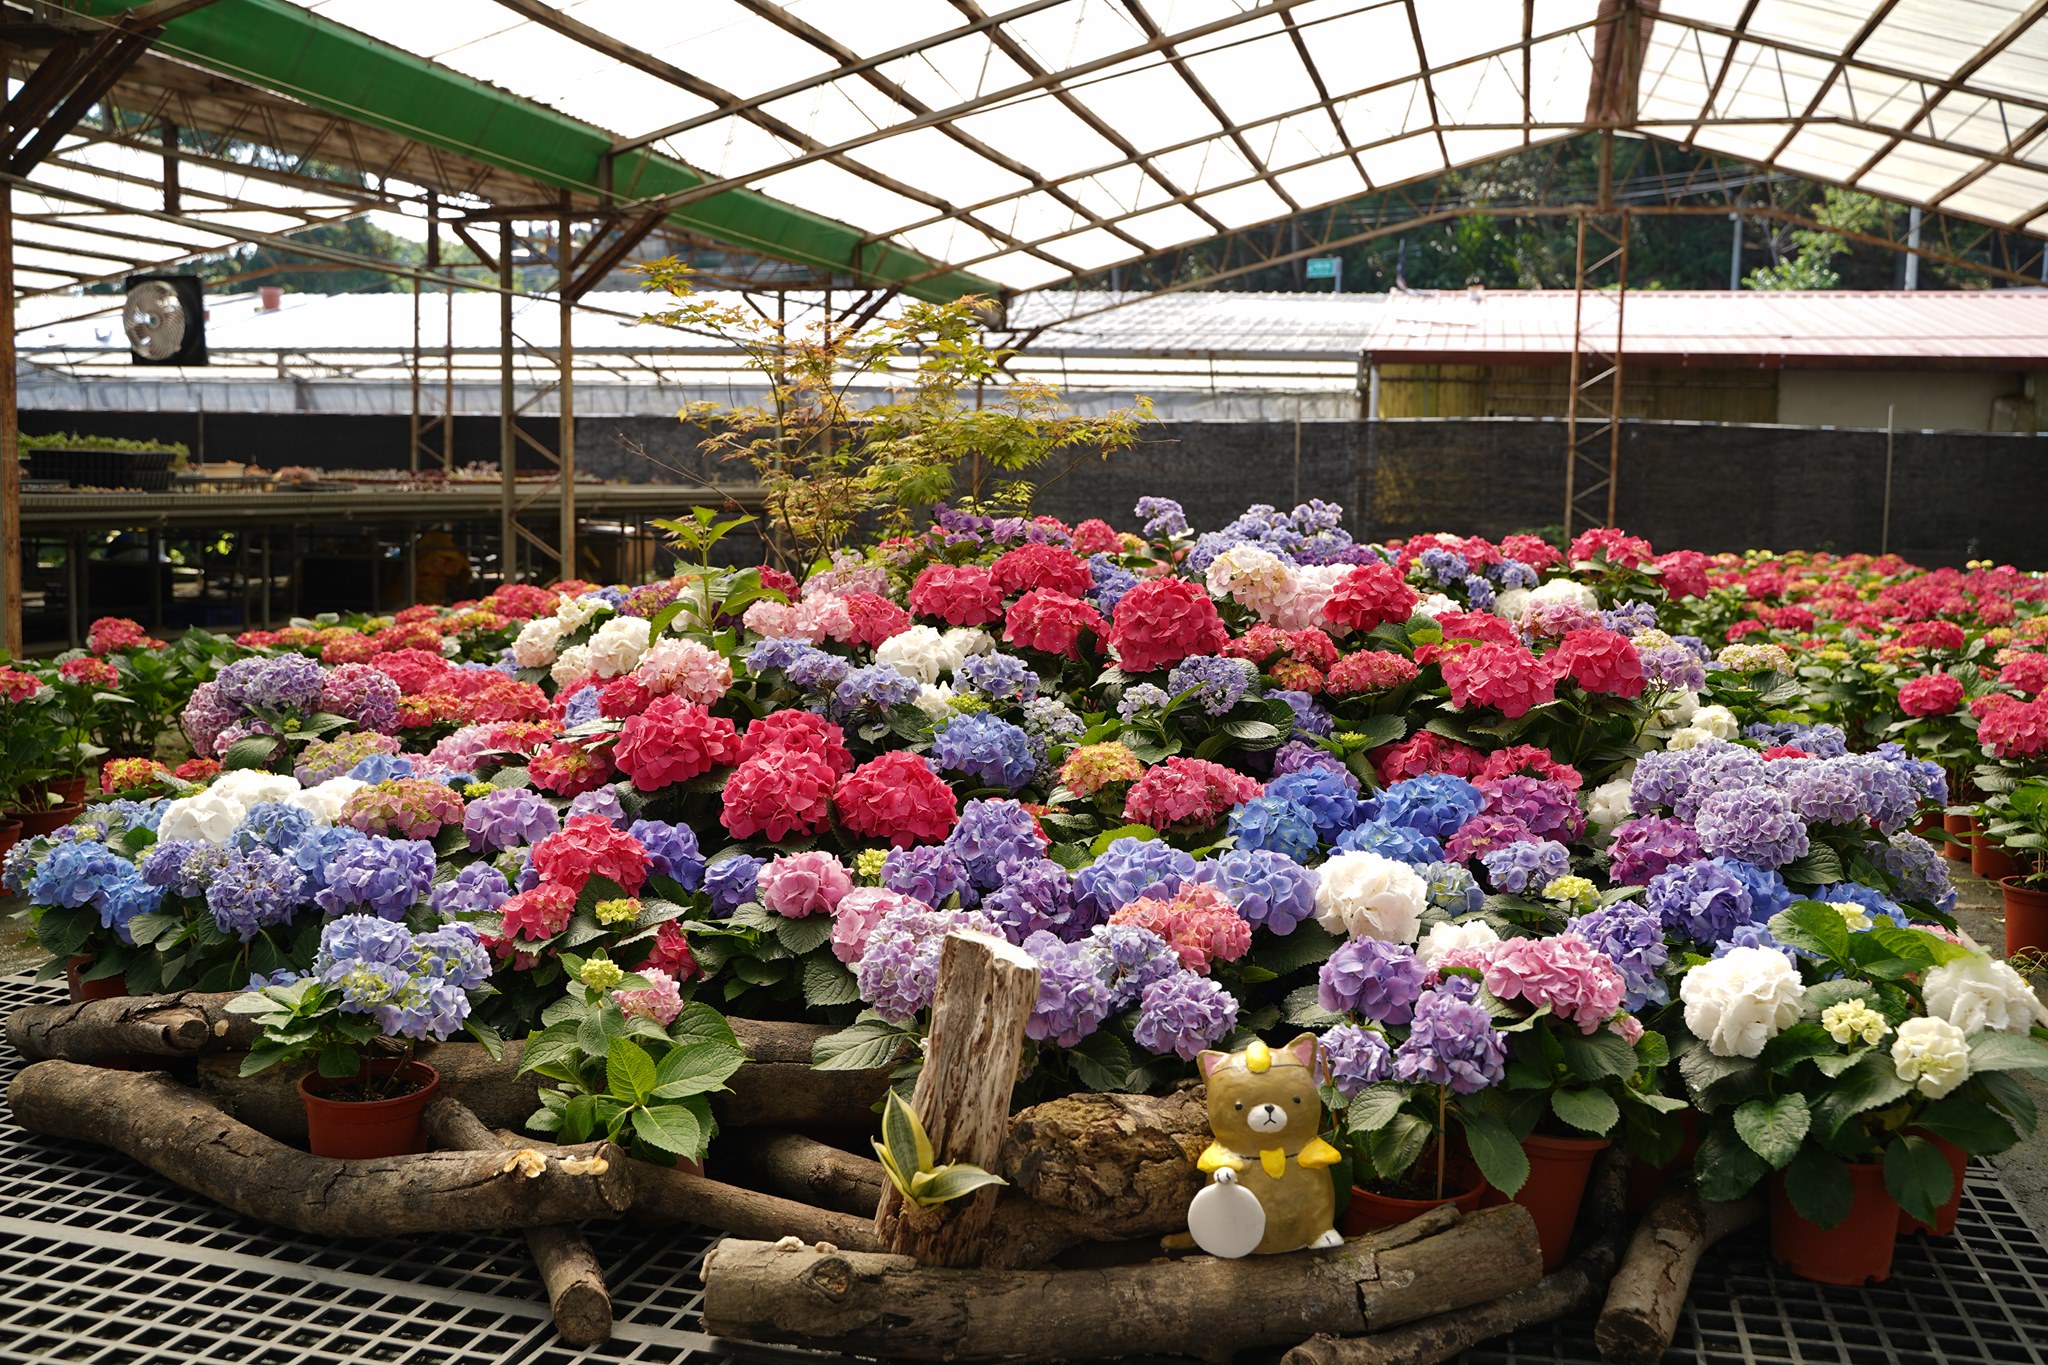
686,669
1506,677
658,1000
772,620
1052,622
958,594
591,846
1187,794
1425,751
797,885
1095,536
857,914
1936,694
1368,596
896,797
1599,660
1370,670
1617,547
403,808
1198,922
673,741
538,915
1046,567
1578,982
800,732
776,795
2027,673
872,618
1162,621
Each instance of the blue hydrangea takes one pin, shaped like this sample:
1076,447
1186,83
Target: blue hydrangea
672,851
1329,794
779,652
1626,618
1143,697
182,866
1512,573
1452,888
1183,1014
930,873
1001,677
986,748
1632,935
256,889
1112,581
1919,869
1127,959
1398,842
1130,868
1270,890
1702,901
317,850
1526,866
381,768
1309,716
1276,825
385,876
1036,896
989,836
1072,999
1435,804
74,874
730,881
870,693
1923,775
1217,682
478,889
275,825
1753,936
1768,893
109,820
455,953
1442,567
1479,593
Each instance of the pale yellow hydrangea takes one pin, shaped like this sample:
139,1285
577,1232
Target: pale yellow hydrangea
1853,1019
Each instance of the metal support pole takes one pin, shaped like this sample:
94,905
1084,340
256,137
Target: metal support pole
508,439
74,579
266,578
1735,256
1884,542
10,439
448,391
1913,248
412,441
566,442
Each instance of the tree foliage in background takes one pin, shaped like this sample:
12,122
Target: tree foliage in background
1810,265
950,428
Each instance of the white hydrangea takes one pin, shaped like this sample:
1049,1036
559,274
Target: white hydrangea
252,787
935,702
1313,584
1980,992
1736,1004
1675,712
325,800
618,646
1436,604
1512,604
207,818
1565,590
571,664
1717,721
919,652
578,612
1933,1054
1368,895
1449,938
964,642
537,643
1254,578
1607,805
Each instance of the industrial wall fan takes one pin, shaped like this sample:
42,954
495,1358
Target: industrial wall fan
165,319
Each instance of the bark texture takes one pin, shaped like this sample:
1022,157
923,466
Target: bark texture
893,1308
664,1195
175,1132
1124,1163
184,1024
1649,1289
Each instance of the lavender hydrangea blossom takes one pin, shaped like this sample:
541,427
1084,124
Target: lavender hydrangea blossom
1632,936
1036,896
385,876
928,872
1000,677
1642,848
1755,824
987,748
478,889
1399,842
1355,1058
1526,866
1452,888
1702,900
1182,1014
672,851
899,969
730,882
1270,890
1451,1042
1130,868
1381,981
1072,999
989,835
256,889
508,817
1218,682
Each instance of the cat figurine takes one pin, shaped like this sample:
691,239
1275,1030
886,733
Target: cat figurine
1270,1187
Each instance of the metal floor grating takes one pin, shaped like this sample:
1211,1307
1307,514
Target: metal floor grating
103,1262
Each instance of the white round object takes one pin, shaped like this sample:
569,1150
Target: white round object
154,318
1226,1220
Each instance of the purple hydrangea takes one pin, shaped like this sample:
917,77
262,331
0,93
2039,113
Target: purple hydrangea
599,801
1920,871
1162,517
1526,867
1330,795
730,882
1182,1014
1822,791
1479,593
1888,797
1755,824
382,768
867,694
987,748
1355,1058
317,850
1482,834
256,889
1381,981
1399,842
1130,868
1276,825
1436,804
385,876
1672,668
1218,682
1632,936
1452,888
1270,890
1923,775
1142,697
580,707
899,969
1451,1042
1543,804
1036,896
1112,581
286,682
205,716
672,851
508,817
1309,716
1127,959
1821,741
478,889
1626,618
1442,567
1753,936
1701,900
929,872
182,866
1644,847
364,694
1001,677
1299,755
990,835
1512,573
1072,999
275,825
455,954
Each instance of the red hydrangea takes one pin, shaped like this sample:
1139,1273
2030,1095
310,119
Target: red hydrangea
1932,635
779,794
1534,551
1529,761
197,769
1371,670
1052,622
896,797
1425,751
1936,694
1684,573
566,768
538,915
1601,661
1742,628
958,594
1788,618
17,686
2016,729
873,618
1198,922
1370,595
1162,621
803,732
672,954
1506,677
112,634
1482,626
1778,751
89,672
2028,673
498,699
1041,566
1617,547
1096,537
414,670
523,601
674,741
1187,794
623,696
346,647
591,846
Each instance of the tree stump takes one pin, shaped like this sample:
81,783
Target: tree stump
893,1308
1124,1163
987,989
1648,1294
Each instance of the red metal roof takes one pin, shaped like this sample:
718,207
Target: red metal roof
1981,329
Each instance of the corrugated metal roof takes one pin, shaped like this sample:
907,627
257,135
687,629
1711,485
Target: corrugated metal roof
1983,329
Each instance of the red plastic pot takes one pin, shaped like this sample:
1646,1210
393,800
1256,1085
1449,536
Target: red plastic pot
1989,861
1855,1251
354,1129
2026,917
1646,1182
1959,826
1558,1169
10,835
69,791
1945,1217
1369,1211
106,988
35,823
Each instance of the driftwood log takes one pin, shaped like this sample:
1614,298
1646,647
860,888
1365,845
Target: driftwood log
1573,1288
664,1196
568,1268
174,1131
184,1024
893,1308
1124,1163
986,991
1648,1294
777,1087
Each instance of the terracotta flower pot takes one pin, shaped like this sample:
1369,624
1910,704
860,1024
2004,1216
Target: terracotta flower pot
1558,1169
1988,861
10,835
1369,1211
35,823
106,988
1646,1182
69,791
2026,917
1959,826
353,1129
1945,1217
1855,1251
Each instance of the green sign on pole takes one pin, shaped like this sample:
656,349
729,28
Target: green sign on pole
1322,267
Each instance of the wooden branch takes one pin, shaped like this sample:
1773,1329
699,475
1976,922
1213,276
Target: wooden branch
987,989
891,1307
269,1101
1648,1294
175,1132
184,1024
1125,1163
575,1281
1573,1288
665,1196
